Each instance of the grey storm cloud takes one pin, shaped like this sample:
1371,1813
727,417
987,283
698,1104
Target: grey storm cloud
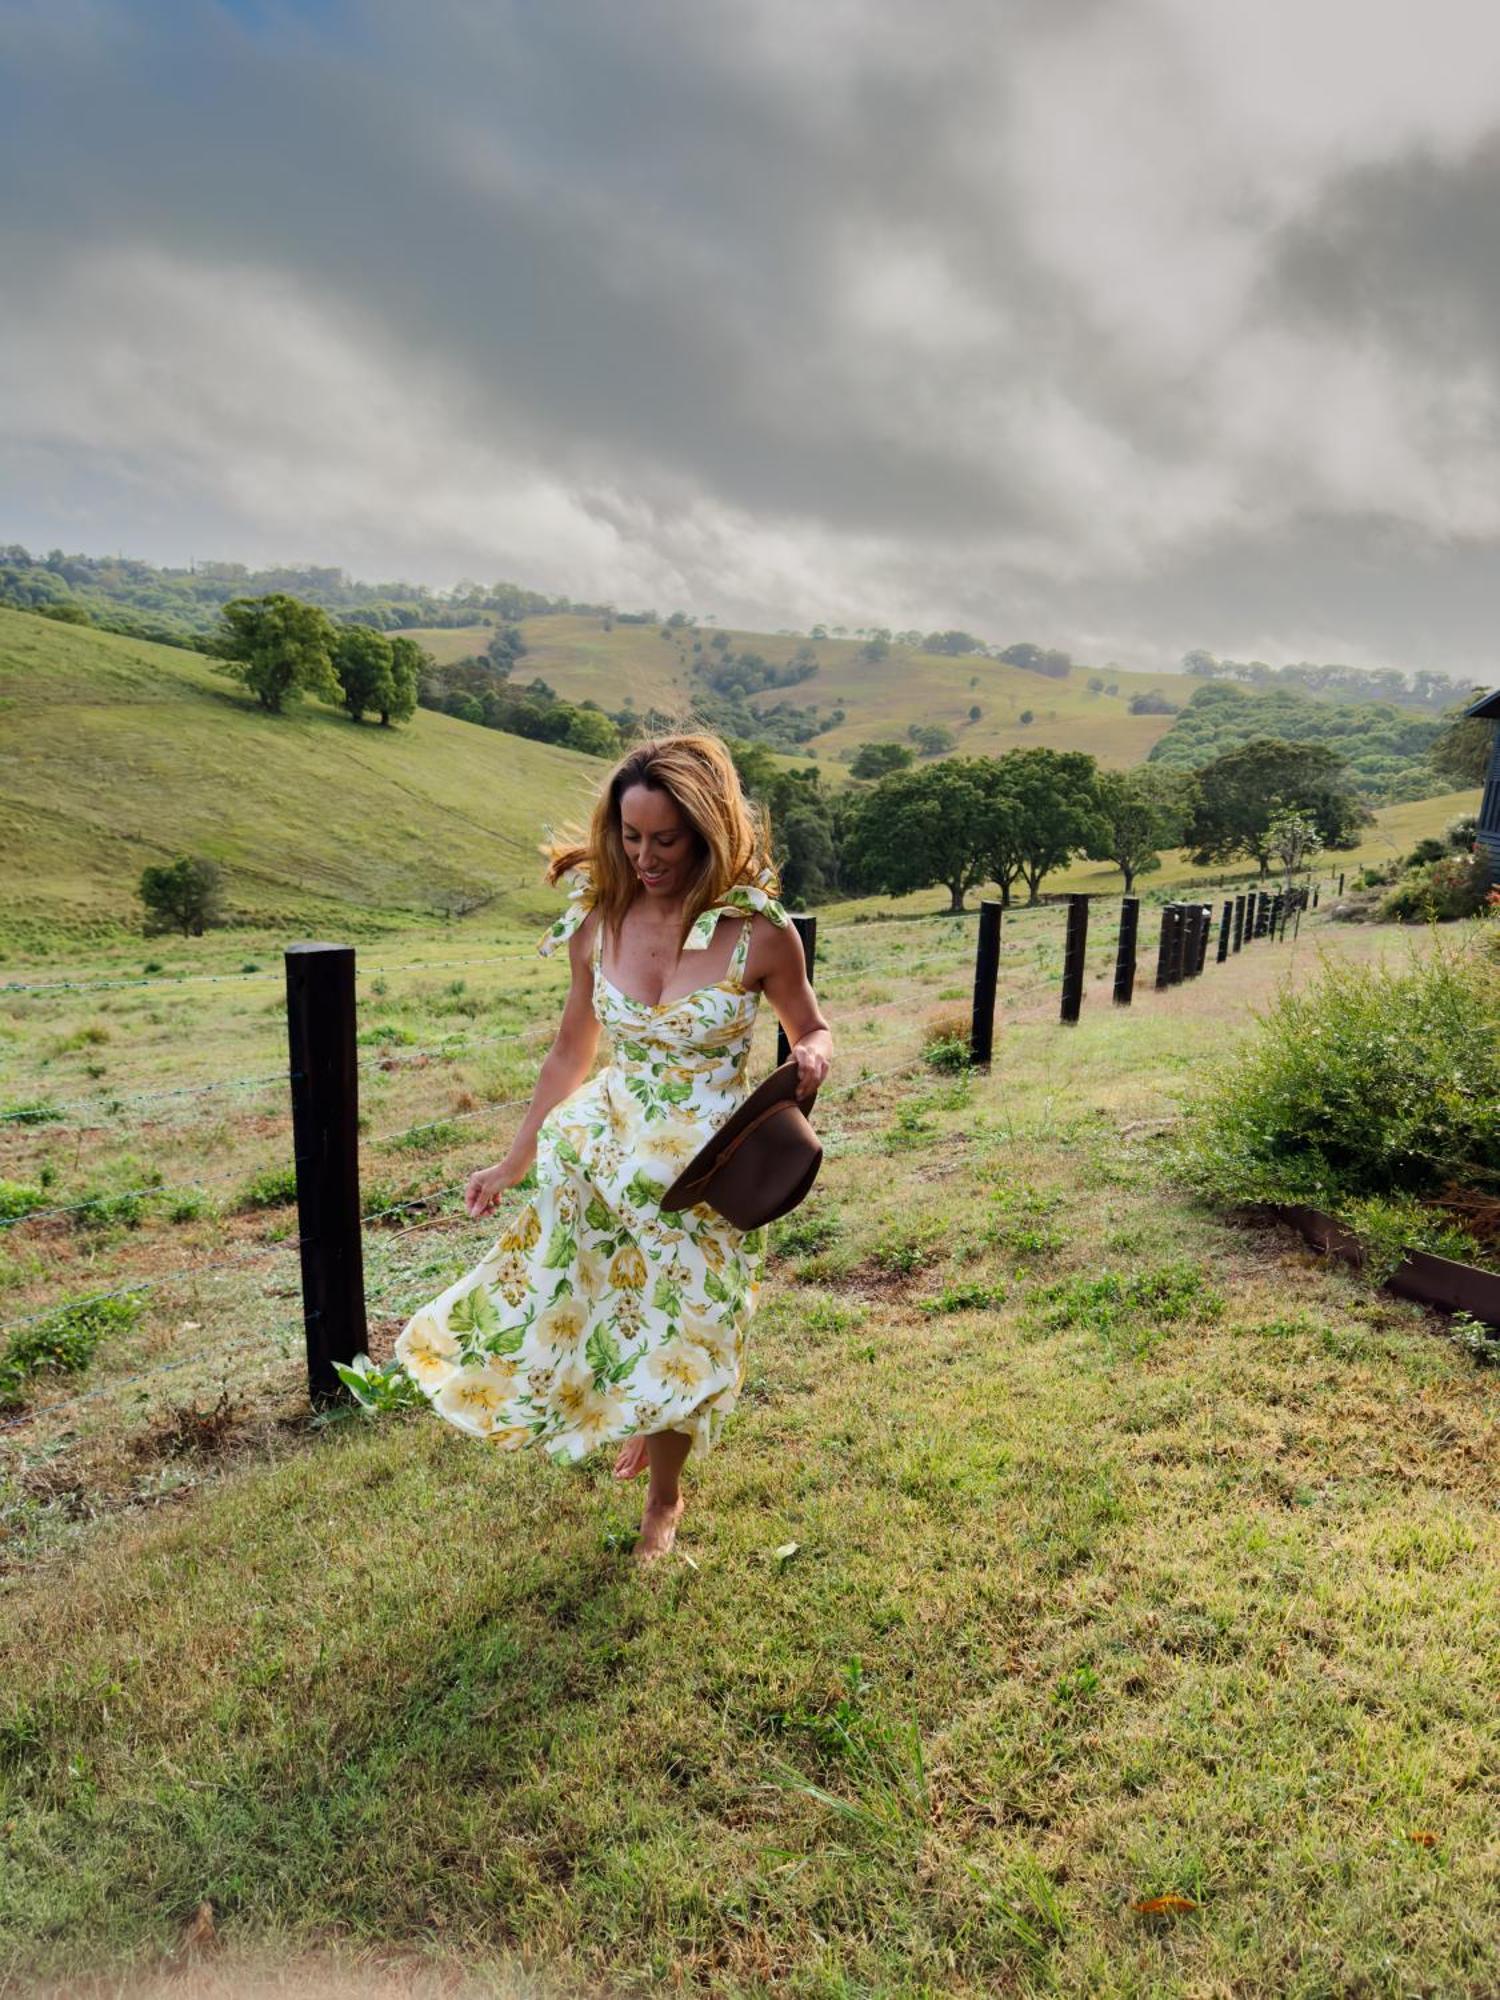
1131,326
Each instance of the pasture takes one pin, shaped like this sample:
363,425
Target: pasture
1072,1548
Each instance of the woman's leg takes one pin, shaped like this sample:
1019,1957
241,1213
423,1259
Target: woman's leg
666,1452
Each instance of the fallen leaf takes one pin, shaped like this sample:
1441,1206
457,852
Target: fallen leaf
201,1933
1422,1837
1163,1906
687,1558
787,1551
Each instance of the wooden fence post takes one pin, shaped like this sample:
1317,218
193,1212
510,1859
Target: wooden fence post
986,973
1179,944
1130,919
1074,955
325,1145
1205,931
1190,919
1224,922
1239,922
806,929
1341,885
1164,946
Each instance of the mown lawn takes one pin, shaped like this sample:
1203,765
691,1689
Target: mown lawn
1071,1548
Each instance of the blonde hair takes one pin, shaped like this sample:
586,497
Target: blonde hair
698,774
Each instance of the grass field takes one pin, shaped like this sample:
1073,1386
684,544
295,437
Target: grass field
115,754
1072,1546
583,661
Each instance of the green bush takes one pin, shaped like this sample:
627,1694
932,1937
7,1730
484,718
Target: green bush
272,1189
1441,892
1370,1085
65,1340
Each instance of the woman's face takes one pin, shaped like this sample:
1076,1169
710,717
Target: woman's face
660,844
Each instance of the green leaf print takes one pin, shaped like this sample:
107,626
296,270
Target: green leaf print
644,1191
602,1352
509,1341
474,1313
596,1215
677,1092
755,1241
667,1297
715,1287
566,1151
560,1249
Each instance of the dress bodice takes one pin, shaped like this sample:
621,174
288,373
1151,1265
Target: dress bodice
693,1045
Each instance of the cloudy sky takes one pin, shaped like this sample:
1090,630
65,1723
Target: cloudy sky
1130,325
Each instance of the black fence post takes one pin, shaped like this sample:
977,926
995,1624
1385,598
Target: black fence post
1179,943
1278,916
1130,919
1164,946
986,973
1262,912
1205,931
1341,885
1224,922
1239,922
1074,952
325,1146
1316,887
1192,918
806,929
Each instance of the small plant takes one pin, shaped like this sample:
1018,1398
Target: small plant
428,1138
945,1042
18,1199
37,1113
902,1255
1476,1337
1110,1304
976,1295
64,1341
272,1189
377,1389
805,1233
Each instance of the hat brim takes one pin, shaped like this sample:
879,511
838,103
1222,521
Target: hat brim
769,1099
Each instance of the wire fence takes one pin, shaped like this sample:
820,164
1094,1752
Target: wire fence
849,957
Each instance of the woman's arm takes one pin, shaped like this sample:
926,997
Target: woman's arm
568,1062
776,959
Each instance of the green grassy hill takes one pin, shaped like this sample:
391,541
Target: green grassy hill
115,753
582,660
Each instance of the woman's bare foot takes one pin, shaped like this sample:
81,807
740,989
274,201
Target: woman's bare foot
658,1529
633,1458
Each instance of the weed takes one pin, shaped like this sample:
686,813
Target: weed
272,1189
18,1199
1109,1304
806,1233
977,1295
39,1112
64,1341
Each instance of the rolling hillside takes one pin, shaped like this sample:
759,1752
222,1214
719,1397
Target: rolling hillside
115,753
582,660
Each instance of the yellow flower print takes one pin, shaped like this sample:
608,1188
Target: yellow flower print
679,1366
628,1268
593,1272
711,1250
561,1324
474,1397
592,1413
428,1352
524,1232
717,1341
512,1278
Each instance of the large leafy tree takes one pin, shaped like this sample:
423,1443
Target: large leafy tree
1462,752
1242,792
279,647
1138,814
806,822
1044,812
407,664
917,828
362,660
183,895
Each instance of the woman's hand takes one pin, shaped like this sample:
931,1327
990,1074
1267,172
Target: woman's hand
484,1188
812,1055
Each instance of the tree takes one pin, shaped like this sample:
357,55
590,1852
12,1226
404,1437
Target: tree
1242,791
279,647
876,647
185,894
1026,717
878,760
1139,813
917,828
931,738
591,731
1462,752
408,663
952,643
506,646
362,660
1049,812
1049,660
1294,839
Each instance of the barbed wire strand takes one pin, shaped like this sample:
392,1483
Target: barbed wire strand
28,1115
192,1272
159,1368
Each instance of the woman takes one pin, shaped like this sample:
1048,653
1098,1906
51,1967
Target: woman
598,1317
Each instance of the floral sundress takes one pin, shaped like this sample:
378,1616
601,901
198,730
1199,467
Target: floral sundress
597,1315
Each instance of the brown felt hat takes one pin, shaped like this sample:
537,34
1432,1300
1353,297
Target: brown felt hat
761,1161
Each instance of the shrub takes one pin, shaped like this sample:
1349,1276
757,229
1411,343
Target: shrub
1371,1084
65,1340
273,1189
17,1199
945,1043
1444,891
